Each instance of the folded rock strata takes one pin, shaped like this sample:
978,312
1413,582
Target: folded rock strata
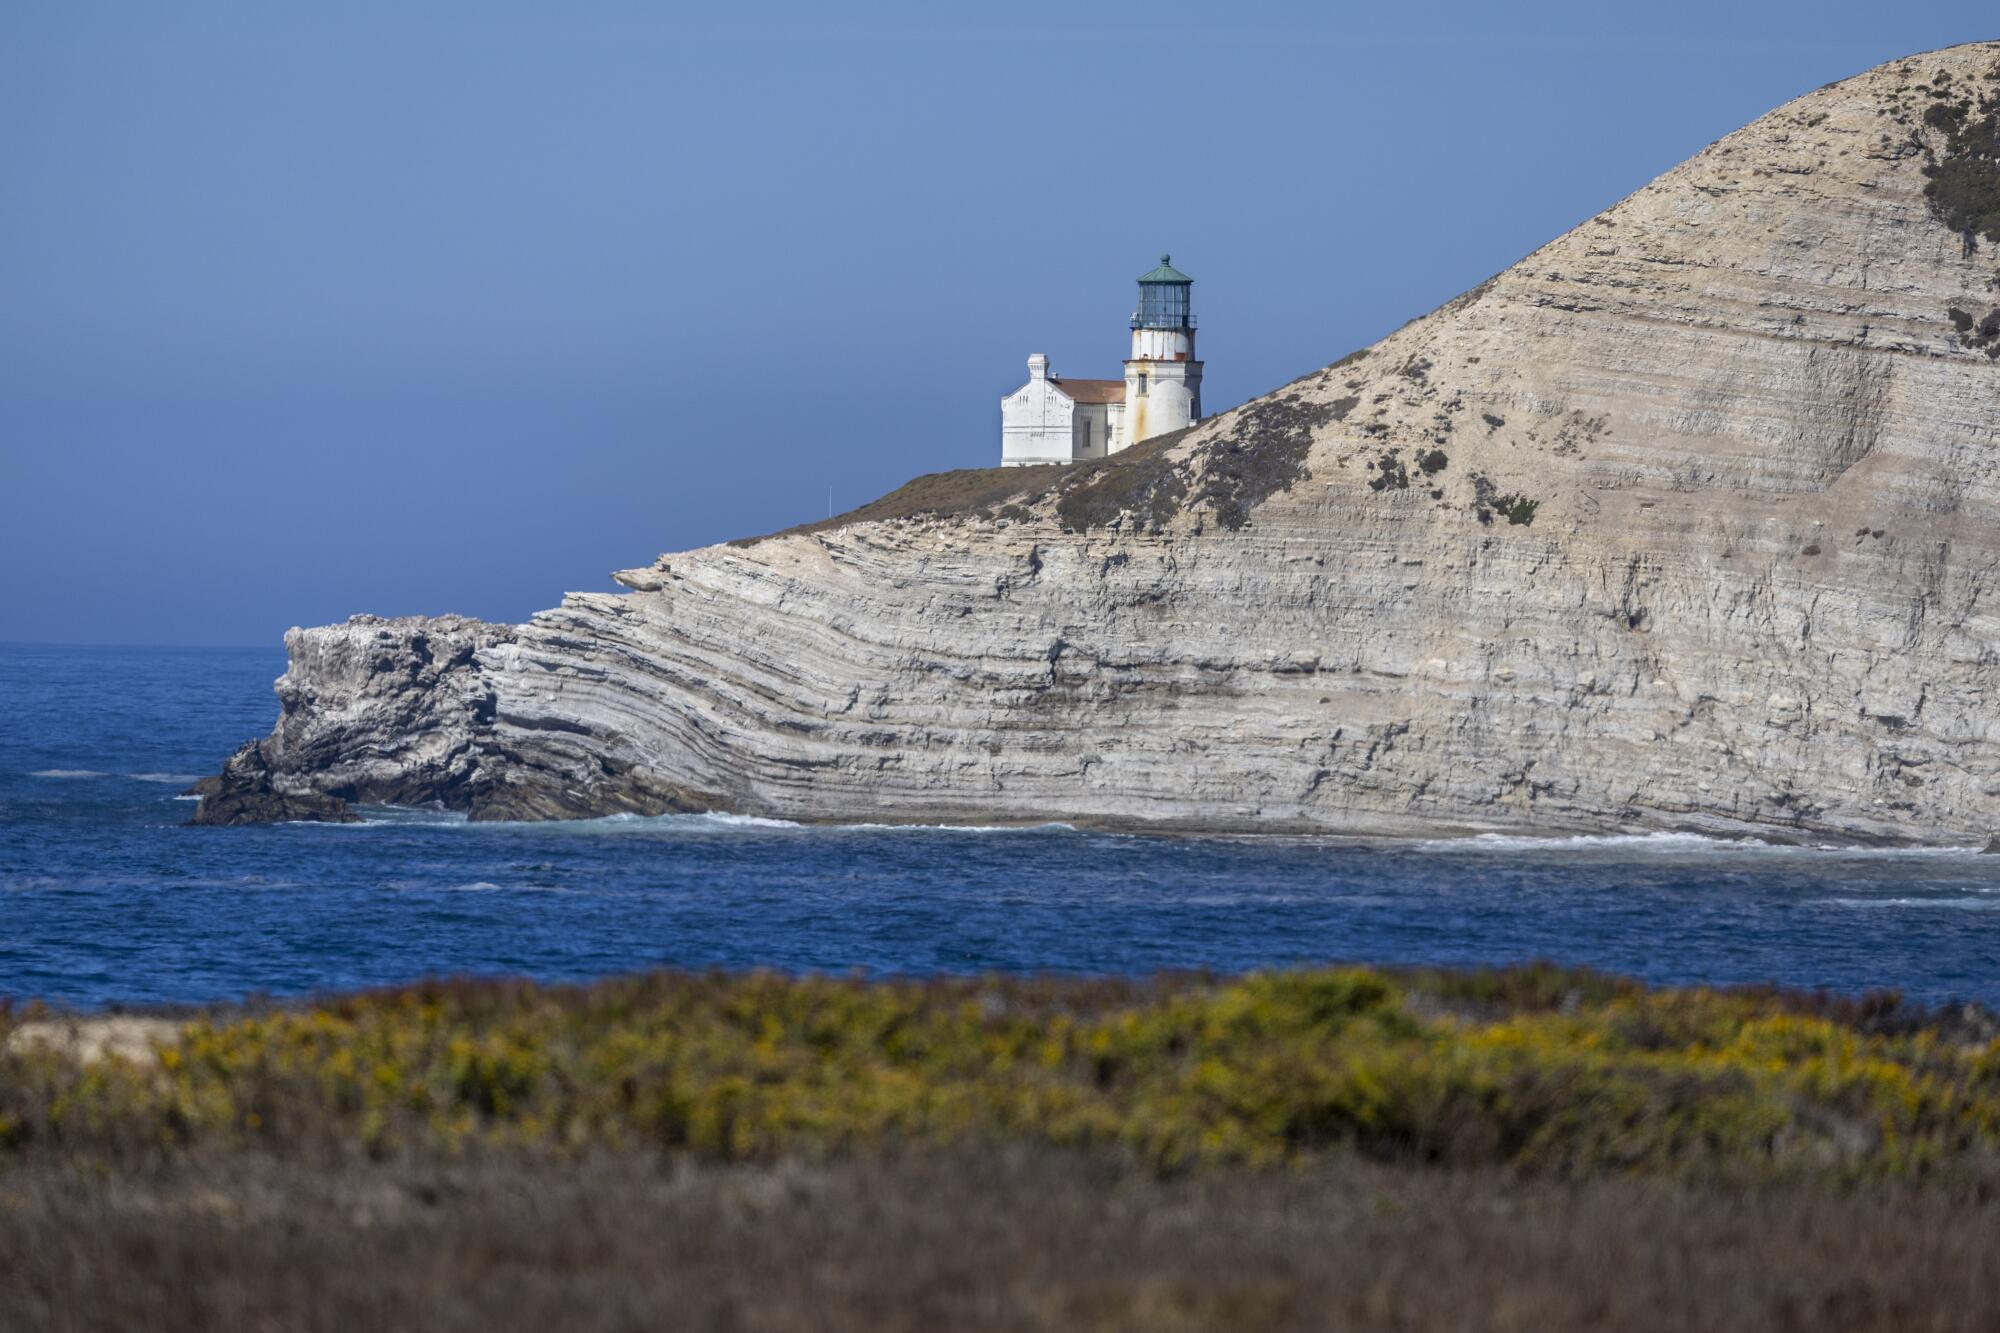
1686,521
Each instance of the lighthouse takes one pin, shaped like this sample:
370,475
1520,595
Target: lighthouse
1162,376
1062,419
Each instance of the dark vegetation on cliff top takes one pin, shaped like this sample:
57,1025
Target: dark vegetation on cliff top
1964,174
1262,452
964,492
1488,501
1142,482
1979,334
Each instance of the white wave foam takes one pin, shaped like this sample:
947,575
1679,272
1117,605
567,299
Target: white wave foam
723,819
1491,844
712,821
471,886
406,816
1959,904
1528,842
1673,843
1051,826
176,779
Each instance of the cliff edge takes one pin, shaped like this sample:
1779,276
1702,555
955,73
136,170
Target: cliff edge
1685,521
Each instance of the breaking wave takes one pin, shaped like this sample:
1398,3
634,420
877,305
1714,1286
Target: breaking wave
1965,904
1050,826
1673,843
711,821
177,779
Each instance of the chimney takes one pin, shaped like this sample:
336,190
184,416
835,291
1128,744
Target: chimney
1038,367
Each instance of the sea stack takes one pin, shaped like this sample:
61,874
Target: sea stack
1689,520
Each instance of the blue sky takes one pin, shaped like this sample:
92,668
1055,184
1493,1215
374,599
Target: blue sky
309,310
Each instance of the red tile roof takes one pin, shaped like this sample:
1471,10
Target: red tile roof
1092,391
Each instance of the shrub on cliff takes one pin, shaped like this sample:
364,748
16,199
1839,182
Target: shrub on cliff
1963,186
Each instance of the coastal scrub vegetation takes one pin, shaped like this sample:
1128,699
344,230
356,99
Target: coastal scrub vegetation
1142,482
1488,501
1963,175
1390,474
1263,452
1978,334
941,494
1552,1072
1345,1147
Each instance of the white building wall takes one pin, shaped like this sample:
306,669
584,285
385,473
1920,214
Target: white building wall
1093,430
1037,421
1163,344
1160,396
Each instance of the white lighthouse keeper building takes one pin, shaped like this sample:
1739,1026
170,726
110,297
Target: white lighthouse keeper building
1051,419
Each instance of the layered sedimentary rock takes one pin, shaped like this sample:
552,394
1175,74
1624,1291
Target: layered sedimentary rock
1691,519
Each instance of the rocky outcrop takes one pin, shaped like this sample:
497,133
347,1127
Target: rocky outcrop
1689,520
247,792
391,712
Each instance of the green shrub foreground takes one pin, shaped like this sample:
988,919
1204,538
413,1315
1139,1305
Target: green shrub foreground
1551,1071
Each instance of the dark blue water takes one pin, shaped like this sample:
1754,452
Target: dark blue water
106,896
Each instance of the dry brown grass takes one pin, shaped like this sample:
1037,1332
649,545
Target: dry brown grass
990,492
1019,1239
941,494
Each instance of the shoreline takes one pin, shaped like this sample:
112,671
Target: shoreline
1393,832
136,1030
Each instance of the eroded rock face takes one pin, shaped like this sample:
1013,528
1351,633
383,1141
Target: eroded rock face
1686,521
246,792
376,711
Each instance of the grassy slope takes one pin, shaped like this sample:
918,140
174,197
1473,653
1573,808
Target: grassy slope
1019,1240
989,492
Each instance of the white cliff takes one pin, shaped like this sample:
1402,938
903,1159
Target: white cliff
1689,520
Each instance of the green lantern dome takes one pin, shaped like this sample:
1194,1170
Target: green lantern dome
1163,298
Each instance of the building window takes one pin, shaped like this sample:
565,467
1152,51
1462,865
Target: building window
1141,389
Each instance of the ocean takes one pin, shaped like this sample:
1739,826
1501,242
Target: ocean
108,897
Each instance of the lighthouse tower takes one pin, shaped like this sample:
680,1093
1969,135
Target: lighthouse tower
1162,377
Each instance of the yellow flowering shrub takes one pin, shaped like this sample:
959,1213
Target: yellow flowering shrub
1544,1069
